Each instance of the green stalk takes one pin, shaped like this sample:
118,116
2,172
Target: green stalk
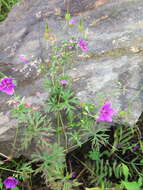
15,171
66,141
3,155
58,123
1,74
15,138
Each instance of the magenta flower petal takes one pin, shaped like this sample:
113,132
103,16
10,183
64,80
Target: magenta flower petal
106,113
70,47
9,91
72,21
83,45
23,59
106,106
10,182
7,86
64,82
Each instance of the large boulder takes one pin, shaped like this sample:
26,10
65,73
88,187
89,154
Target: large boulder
113,66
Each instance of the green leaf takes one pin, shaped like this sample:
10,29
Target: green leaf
1,184
131,185
1,162
118,187
125,171
67,16
16,188
94,188
94,155
141,145
122,113
81,26
47,30
140,181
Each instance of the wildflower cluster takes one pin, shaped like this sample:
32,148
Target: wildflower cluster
65,119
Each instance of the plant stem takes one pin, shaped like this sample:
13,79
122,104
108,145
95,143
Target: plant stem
3,155
1,74
14,143
15,171
84,165
66,141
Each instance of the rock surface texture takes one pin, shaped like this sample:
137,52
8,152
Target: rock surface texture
113,66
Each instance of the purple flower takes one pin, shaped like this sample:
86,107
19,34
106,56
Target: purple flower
65,127
7,86
136,148
83,45
74,175
64,82
10,182
106,113
23,59
72,21
70,47
71,181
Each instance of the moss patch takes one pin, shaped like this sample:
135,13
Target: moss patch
116,53
5,7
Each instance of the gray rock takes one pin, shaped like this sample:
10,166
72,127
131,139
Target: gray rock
113,66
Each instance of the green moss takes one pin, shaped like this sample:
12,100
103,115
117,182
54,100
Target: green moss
116,53
5,7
